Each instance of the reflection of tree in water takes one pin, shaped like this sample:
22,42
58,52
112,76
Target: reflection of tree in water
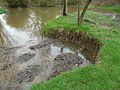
18,18
33,22
3,38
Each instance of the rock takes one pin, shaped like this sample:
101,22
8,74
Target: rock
39,46
116,18
45,43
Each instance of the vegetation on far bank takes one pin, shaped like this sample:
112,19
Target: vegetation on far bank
47,3
112,8
42,3
105,75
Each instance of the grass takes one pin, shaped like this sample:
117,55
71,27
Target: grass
2,10
105,75
115,8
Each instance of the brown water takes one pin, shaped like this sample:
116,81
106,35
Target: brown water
22,28
24,25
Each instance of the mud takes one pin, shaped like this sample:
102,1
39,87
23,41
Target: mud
20,67
28,74
67,61
24,58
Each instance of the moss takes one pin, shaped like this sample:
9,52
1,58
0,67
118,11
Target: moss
103,76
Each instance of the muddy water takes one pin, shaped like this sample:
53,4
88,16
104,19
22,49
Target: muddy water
26,57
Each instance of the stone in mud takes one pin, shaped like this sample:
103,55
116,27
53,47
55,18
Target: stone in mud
65,62
40,45
45,43
28,74
116,18
24,58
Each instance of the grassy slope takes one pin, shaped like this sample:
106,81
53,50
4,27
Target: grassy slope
106,74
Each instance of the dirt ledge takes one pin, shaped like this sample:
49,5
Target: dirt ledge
82,39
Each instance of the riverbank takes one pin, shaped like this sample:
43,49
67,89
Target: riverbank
31,58
105,74
110,8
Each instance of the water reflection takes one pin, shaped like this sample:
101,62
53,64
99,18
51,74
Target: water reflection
59,50
24,25
20,35
15,36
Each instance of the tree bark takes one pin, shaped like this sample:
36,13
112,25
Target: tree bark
84,10
78,19
65,8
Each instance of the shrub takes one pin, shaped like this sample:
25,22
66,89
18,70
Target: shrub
17,3
45,3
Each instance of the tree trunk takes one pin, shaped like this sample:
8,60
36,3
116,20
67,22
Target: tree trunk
78,19
65,8
84,10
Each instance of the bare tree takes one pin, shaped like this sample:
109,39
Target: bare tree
65,7
81,17
78,19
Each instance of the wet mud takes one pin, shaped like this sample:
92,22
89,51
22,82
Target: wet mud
20,67
67,61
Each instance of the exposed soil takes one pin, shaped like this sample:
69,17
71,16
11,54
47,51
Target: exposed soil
82,39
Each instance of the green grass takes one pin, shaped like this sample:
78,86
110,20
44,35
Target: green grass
105,75
2,10
115,8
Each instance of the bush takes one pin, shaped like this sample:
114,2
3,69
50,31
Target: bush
17,3
72,2
45,3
